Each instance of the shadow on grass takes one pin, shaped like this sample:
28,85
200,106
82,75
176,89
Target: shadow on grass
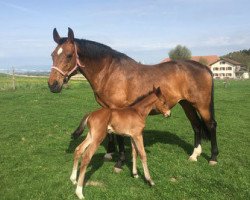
151,137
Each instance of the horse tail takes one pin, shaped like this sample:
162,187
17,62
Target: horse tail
206,134
80,128
212,101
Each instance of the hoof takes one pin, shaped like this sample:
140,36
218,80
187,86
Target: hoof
135,175
117,170
108,156
192,159
151,183
73,181
212,162
79,193
80,196
73,178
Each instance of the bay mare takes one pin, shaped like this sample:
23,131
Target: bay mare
129,121
119,81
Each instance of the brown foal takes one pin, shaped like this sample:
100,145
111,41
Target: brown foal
129,121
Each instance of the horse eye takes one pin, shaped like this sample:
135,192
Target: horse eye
69,56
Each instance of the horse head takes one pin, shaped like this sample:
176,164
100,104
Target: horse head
65,61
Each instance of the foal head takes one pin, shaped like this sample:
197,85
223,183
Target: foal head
161,104
65,60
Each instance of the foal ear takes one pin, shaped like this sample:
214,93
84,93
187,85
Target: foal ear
56,36
157,91
70,35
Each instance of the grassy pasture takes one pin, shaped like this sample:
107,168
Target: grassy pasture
37,154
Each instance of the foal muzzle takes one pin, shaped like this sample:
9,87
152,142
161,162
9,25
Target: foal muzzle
167,114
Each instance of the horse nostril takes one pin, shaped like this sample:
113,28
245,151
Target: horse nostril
54,87
55,84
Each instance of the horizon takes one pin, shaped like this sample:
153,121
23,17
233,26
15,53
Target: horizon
144,30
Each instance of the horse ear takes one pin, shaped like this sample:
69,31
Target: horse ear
70,35
56,36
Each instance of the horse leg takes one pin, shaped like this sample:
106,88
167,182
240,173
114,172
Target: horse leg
211,125
111,147
121,159
134,157
78,152
197,127
138,140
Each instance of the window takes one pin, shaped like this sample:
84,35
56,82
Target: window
228,74
229,68
222,62
215,74
216,69
222,68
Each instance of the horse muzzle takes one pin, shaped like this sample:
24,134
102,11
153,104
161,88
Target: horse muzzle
55,87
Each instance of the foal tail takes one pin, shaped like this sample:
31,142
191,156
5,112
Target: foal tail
80,128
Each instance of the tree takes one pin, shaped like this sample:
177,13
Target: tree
180,53
242,57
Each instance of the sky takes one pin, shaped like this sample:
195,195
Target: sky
145,30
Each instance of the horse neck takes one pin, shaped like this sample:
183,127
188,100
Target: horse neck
144,106
94,70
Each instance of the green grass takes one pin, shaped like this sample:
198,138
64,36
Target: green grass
36,156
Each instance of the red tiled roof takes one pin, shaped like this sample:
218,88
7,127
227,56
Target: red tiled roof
209,59
166,60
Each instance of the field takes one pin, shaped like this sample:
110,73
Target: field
37,153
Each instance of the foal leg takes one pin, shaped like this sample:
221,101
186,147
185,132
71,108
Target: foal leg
78,152
85,161
134,157
138,140
196,125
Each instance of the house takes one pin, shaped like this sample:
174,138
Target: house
222,68
226,68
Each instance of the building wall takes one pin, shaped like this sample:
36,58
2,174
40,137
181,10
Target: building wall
222,69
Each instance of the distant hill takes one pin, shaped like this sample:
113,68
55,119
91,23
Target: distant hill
242,56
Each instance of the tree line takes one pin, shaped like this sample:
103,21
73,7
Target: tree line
183,53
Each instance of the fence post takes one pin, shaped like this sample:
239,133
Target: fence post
13,79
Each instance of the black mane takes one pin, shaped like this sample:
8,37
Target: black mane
97,50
